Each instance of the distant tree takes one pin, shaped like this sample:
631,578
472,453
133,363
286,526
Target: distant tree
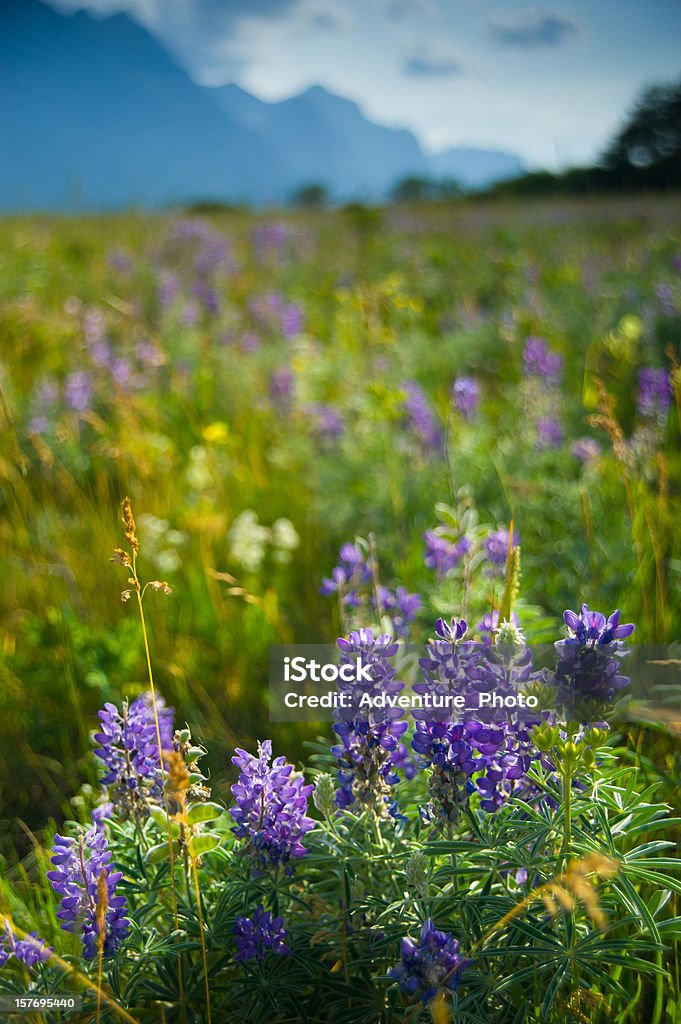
415,189
535,183
647,149
366,220
313,196
211,206
447,188
644,154
412,189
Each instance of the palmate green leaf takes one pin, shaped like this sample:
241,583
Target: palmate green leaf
544,953
636,871
598,975
521,1015
525,926
534,973
632,900
630,962
651,847
670,928
659,821
554,984
448,846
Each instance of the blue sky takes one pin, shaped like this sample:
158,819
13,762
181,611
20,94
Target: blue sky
550,82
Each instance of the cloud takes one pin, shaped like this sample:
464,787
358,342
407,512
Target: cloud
534,30
200,15
432,64
398,9
207,37
325,21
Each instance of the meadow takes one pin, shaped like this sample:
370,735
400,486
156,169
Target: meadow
330,421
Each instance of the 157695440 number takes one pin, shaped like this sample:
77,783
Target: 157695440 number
65,1003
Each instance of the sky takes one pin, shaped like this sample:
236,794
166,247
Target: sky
550,82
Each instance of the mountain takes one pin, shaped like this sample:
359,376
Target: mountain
475,168
100,116
323,138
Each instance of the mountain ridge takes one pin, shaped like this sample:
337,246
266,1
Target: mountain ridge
103,117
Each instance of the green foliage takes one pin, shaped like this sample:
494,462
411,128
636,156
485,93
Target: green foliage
386,297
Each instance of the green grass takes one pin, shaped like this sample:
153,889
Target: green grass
417,294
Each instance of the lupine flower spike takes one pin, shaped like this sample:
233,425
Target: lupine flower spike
80,866
271,807
262,934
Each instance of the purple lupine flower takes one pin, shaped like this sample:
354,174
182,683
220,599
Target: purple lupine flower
593,628
496,545
447,748
550,432
128,746
169,285
208,246
78,391
292,320
490,622
370,747
444,743
419,417
267,310
401,606
102,812
504,738
588,672
493,744
190,313
327,421
149,354
207,296
212,255
250,341
665,295
121,371
281,386
80,867
466,395
120,261
271,235
271,807
257,936
349,577
48,392
27,952
43,406
430,965
442,554
96,340
586,449
654,392
540,361
38,425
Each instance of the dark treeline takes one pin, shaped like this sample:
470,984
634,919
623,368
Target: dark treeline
644,155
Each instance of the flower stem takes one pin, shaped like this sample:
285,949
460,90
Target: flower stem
171,853
567,804
204,956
